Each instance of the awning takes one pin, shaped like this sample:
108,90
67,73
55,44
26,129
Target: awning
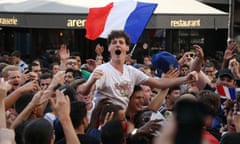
67,14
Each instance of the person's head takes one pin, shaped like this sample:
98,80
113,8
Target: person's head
77,57
78,115
12,74
72,63
225,78
136,100
212,102
16,56
54,67
147,60
184,70
173,94
71,74
148,94
95,117
146,69
210,70
36,68
118,112
112,133
4,56
45,80
38,131
118,45
189,121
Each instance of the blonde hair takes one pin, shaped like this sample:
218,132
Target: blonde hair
8,68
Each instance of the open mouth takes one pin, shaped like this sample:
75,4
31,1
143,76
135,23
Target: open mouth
118,52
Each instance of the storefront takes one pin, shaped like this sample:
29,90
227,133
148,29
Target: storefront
33,27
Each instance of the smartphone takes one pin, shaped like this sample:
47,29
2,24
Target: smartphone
238,100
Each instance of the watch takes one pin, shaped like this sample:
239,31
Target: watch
134,131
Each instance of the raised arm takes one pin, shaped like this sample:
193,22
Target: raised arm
87,86
228,54
28,110
13,97
61,107
157,101
197,63
163,83
3,93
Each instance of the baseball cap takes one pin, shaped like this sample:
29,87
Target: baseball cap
163,60
225,72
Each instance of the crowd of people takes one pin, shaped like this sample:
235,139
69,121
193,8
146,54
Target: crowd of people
59,99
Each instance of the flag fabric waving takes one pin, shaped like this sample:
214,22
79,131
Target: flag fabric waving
128,15
226,92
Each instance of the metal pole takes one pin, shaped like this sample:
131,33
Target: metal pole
231,20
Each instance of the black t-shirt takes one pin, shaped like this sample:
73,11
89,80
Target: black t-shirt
83,138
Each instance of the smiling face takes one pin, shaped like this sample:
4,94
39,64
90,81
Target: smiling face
137,100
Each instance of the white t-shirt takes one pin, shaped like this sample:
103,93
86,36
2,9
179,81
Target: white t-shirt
117,86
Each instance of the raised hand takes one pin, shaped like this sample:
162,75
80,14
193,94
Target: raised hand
199,51
64,52
192,77
230,51
61,106
171,73
97,75
4,88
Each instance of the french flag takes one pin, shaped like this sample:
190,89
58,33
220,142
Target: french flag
128,15
226,92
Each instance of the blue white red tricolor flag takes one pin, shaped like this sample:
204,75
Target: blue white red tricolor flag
128,15
226,92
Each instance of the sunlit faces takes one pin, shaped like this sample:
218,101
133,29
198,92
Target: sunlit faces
14,78
210,72
147,94
171,97
116,45
55,69
226,81
44,83
68,77
137,100
37,70
72,63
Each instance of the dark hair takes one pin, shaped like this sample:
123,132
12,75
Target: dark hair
38,131
110,108
118,34
173,89
16,53
23,101
136,89
112,132
32,65
95,117
46,75
78,112
76,73
189,120
53,64
211,100
68,90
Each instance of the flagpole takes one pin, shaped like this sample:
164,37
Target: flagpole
133,49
